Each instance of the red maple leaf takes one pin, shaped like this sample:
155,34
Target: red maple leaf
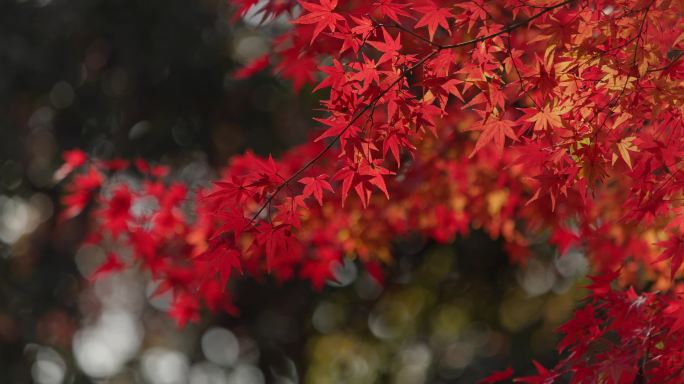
319,270
543,376
494,130
362,177
564,239
117,213
321,15
391,9
252,67
111,265
674,250
434,17
217,298
498,376
298,69
315,186
221,259
81,192
237,189
72,160
675,311
184,309
390,47
277,242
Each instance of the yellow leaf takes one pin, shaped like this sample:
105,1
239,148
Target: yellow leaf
624,116
679,39
429,97
548,117
496,200
624,146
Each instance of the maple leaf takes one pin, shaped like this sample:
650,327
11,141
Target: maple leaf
145,247
498,376
232,221
222,259
350,40
142,165
176,194
601,284
544,376
338,127
448,223
450,87
336,76
375,271
581,329
145,168
434,17
675,310
252,67
315,186
117,214
167,221
494,130
236,189
368,74
674,250
349,178
320,14
243,6
298,69
364,26
277,242
391,9
81,192
393,143
564,239
217,298
300,73
476,11
289,211
184,309
111,265
115,165
174,278
362,177
623,147
677,222
390,47
72,160
320,269
548,117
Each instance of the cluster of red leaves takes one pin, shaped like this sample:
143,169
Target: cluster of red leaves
512,116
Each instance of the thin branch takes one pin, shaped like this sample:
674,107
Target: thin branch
406,30
337,137
678,55
508,28
374,101
517,71
633,66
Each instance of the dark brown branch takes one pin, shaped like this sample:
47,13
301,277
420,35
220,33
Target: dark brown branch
517,71
678,55
508,28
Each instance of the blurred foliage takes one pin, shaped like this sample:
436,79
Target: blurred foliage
152,79
451,314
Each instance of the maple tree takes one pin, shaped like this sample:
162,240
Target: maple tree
515,117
